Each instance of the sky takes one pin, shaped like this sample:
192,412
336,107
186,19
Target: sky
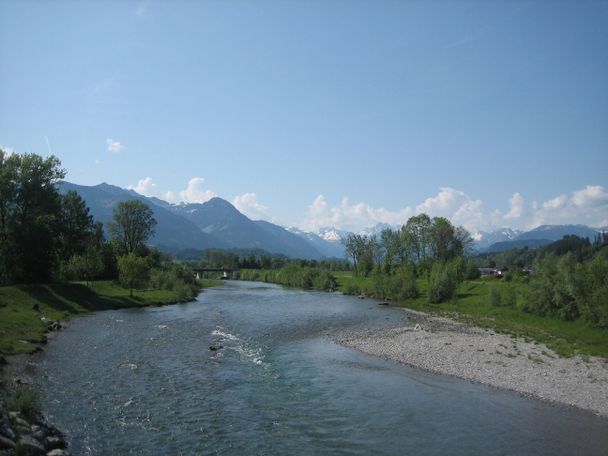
321,113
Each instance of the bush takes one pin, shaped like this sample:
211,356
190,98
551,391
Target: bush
442,282
352,289
509,297
176,278
495,296
404,284
26,401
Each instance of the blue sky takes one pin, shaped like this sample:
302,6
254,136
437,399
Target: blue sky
320,113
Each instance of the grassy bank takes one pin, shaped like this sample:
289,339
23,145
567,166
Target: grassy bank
473,305
23,307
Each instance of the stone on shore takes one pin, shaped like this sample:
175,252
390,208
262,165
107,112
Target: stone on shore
32,446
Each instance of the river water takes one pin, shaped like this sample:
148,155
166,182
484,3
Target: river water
145,382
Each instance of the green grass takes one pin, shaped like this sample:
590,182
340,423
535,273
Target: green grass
472,305
208,283
21,327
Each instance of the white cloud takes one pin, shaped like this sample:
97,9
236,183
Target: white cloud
114,146
592,196
145,186
586,206
517,207
558,202
148,187
442,204
248,204
7,150
194,192
351,217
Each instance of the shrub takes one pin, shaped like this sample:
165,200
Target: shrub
495,296
26,401
442,282
404,284
509,297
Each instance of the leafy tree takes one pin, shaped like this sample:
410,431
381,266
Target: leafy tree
133,271
8,196
77,227
132,224
29,224
417,236
355,245
87,266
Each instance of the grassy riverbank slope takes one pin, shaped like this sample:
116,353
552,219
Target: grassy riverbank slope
26,309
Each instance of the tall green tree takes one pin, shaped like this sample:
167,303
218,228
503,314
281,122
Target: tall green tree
416,236
77,229
355,246
32,218
133,271
132,224
8,196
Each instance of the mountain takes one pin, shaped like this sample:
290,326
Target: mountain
172,231
542,235
214,224
332,248
557,232
333,234
377,229
222,220
517,244
484,239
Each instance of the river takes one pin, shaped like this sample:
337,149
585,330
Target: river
145,382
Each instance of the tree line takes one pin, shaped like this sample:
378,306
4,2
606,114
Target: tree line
46,236
421,241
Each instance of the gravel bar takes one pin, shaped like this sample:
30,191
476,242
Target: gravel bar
444,346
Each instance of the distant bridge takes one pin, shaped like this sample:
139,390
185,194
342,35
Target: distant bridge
199,273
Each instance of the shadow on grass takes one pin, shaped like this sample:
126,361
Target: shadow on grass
465,295
69,297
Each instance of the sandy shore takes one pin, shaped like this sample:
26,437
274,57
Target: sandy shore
447,347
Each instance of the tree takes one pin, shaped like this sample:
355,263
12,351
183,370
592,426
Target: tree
76,225
133,271
132,224
87,266
8,194
416,236
355,245
29,204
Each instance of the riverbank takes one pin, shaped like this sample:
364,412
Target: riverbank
29,312
448,347
29,316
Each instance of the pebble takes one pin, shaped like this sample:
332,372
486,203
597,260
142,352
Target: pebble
452,348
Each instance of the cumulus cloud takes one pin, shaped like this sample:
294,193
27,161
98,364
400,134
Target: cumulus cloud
586,206
7,150
148,187
194,192
249,205
351,217
444,203
114,146
517,207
